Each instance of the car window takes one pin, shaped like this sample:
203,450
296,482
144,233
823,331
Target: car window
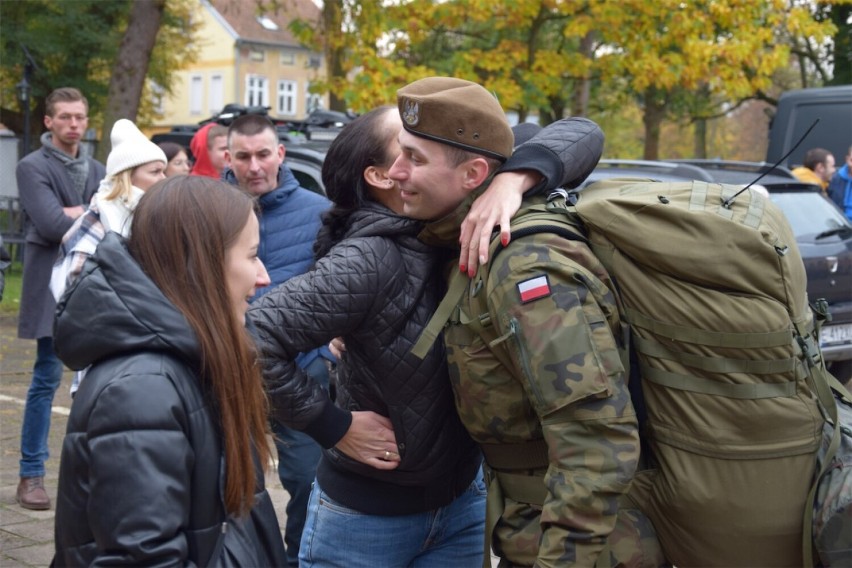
308,175
808,212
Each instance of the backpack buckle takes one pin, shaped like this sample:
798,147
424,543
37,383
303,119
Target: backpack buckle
820,309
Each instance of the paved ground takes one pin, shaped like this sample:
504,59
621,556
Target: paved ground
26,537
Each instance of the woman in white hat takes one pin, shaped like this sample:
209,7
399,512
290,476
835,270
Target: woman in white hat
134,164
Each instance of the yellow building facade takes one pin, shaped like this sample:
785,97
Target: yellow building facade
245,59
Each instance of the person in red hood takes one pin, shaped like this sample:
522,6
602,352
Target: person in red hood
208,146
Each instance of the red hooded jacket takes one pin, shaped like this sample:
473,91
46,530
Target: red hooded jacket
198,147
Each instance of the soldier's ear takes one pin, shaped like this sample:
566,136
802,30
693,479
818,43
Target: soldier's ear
475,172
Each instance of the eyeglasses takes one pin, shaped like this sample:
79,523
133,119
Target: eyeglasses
70,117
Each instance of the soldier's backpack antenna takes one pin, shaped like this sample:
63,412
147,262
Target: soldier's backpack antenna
726,203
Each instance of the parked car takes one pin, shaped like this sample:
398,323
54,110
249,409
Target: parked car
305,160
824,237
654,170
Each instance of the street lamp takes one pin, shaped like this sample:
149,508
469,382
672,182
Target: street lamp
23,89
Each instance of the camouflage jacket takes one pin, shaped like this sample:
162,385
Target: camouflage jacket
549,370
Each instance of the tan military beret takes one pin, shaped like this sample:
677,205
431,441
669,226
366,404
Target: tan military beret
456,112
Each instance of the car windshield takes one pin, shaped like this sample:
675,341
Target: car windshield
809,214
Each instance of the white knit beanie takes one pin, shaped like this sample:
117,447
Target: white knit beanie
130,148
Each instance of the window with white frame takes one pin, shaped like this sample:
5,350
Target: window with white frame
216,94
158,94
196,94
313,101
257,90
286,97
288,57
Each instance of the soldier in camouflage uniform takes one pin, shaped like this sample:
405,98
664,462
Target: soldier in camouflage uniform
533,350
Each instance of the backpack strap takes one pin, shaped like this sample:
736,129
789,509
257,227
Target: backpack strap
825,387
540,221
440,317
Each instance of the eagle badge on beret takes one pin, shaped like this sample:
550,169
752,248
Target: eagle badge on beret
411,112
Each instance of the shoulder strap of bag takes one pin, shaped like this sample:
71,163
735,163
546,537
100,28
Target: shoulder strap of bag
825,387
540,222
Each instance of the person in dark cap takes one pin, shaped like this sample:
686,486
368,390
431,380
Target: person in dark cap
546,398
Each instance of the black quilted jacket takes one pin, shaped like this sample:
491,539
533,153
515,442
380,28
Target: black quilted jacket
141,471
377,289
565,153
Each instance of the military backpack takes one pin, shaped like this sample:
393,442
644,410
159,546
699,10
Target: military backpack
734,393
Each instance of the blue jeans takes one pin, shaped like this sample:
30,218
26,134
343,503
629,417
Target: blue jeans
47,374
298,456
449,537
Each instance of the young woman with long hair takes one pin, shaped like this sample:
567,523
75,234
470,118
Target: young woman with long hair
163,460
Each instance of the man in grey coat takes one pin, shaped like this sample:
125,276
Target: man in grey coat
55,184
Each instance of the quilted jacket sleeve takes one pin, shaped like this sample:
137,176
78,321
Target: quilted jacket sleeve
308,311
564,153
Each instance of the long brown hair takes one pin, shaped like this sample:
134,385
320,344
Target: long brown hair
181,229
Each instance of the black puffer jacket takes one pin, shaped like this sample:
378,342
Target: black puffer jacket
377,289
141,468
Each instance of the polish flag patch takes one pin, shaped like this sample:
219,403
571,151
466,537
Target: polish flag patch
534,288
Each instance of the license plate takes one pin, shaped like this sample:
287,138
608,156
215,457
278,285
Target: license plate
835,334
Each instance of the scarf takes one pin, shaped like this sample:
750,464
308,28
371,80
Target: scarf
77,168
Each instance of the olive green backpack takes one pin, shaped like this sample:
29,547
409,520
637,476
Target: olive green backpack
714,290
736,396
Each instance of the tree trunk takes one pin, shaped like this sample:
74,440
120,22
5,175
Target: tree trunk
131,66
652,117
699,149
332,22
841,15
582,87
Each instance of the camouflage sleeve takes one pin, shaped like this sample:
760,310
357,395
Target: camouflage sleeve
558,319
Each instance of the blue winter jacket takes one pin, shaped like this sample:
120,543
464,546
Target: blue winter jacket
840,190
290,217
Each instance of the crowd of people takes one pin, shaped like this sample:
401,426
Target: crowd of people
216,310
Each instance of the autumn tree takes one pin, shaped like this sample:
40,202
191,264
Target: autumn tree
77,44
131,65
841,17
57,34
687,62
666,51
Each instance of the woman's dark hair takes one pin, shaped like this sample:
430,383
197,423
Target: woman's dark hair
171,149
180,233
360,144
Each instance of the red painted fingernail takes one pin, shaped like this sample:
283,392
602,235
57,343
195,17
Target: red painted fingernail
462,268
504,239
